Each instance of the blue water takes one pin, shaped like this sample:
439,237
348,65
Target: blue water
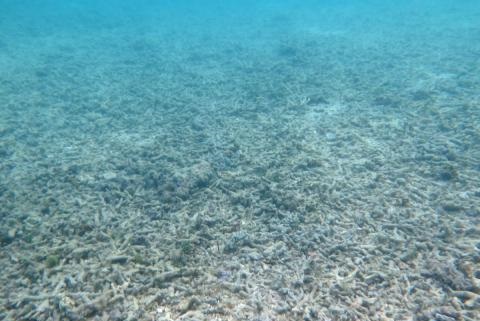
239,160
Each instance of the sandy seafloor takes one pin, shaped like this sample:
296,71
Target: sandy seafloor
246,166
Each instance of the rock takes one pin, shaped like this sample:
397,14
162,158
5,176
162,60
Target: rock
473,212
120,259
451,207
52,261
448,275
116,315
70,282
448,173
237,240
6,238
81,253
3,189
317,99
201,175
439,314
385,101
421,95
139,240
255,256
192,304
375,278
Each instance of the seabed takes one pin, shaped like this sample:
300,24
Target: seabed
309,176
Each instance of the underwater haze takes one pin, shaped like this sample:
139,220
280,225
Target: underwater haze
240,160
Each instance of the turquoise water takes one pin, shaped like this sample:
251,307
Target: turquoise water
240,160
